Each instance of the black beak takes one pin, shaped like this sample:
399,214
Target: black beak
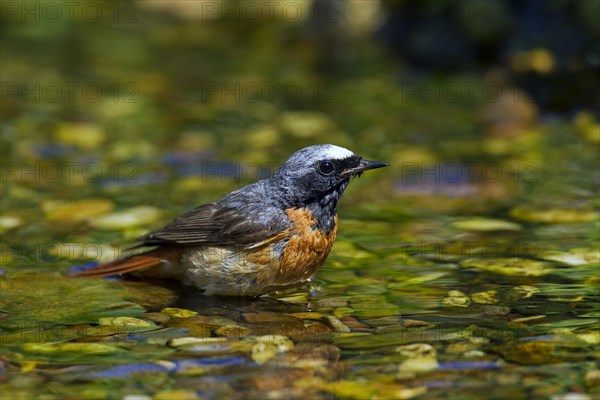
364,166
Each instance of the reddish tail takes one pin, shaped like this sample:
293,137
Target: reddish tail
119,267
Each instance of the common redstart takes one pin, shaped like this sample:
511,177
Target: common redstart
270,235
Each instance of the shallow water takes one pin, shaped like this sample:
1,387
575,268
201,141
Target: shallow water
436,295
467,269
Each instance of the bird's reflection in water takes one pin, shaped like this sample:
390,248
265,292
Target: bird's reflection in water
191,298
240,330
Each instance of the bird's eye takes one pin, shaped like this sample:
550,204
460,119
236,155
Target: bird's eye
326,168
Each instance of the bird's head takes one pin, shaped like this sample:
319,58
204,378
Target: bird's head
319,173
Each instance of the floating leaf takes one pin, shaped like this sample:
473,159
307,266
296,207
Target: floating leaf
486,225
456,298
511,266
179,312
126,219
8,222
305,124
336,324
546,349
87,348
417,350
308,315
127,323
417,280
296,298
553,215
523,291
590,337
85,135
75,211
488,297
186,341
267,347
580,256
419,364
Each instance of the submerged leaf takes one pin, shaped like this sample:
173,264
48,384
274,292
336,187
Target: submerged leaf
31,298
486,224
546,349
128,323
511,266
267,347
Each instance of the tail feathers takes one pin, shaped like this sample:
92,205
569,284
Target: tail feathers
118,267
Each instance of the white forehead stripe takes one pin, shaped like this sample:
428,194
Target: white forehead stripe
337,153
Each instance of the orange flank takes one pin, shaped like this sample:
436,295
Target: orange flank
307,247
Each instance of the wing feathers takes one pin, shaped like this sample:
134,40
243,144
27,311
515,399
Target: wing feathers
209,225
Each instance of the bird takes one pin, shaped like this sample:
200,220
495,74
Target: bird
271,235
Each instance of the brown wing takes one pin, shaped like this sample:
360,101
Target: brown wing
209,225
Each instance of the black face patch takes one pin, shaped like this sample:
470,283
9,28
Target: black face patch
341,165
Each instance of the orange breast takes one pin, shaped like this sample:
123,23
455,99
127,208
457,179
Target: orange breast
307,247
